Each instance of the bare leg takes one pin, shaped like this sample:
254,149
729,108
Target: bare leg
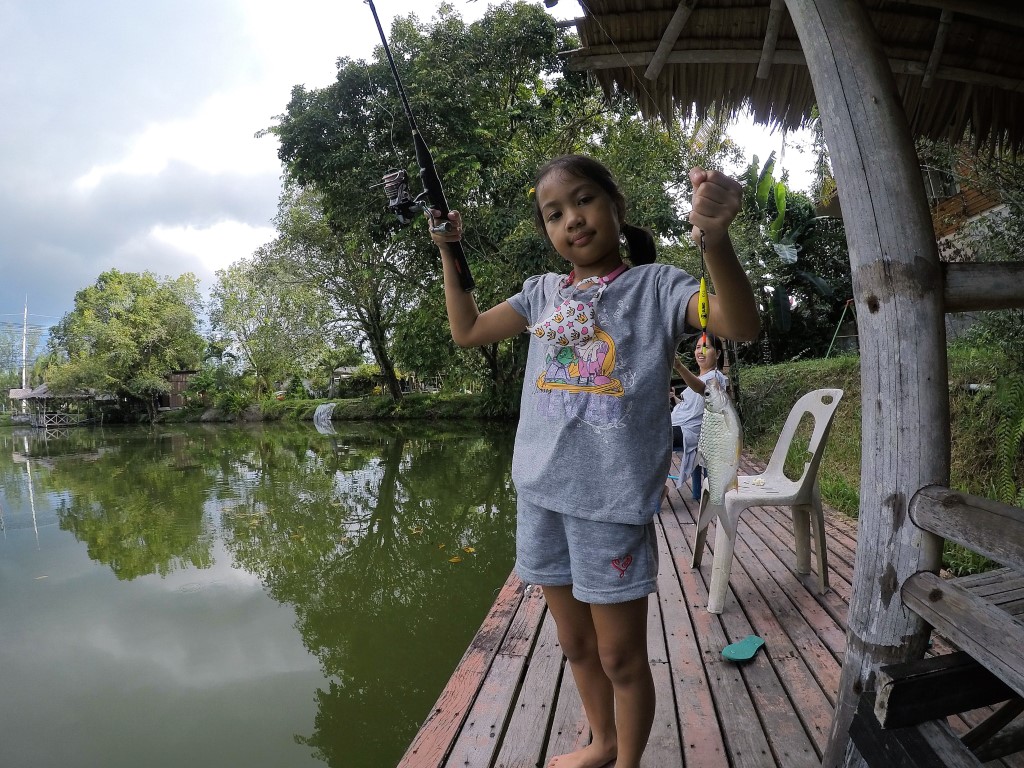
622,643
579,643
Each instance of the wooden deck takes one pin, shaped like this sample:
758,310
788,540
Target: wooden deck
512,703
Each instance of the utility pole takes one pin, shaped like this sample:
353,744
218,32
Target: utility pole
24,354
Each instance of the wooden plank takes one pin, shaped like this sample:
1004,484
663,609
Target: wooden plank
927,689
976,580
824,624
931,745
805,666
986,526
569,727
701,733
778,703
1007,742
523,742
983,732
431,744
745,740
777,696
478,739
840,560
663,746
991,636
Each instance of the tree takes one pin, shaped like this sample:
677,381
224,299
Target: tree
348,273
521,109
275,325
126,334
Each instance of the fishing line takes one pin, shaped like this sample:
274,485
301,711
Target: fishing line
622,56
703,303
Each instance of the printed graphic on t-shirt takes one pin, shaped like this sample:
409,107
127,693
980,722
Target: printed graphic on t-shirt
585,367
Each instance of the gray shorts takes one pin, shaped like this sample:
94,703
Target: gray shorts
604,562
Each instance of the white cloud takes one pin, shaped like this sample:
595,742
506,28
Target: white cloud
792,150
130,139
217,246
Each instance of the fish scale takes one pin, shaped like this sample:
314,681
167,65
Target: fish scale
720,441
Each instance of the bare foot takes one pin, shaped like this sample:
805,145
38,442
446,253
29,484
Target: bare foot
591,756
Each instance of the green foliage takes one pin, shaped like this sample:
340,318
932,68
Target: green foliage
487,141
274,325
798,265
126,333
998,236
1009,438
219,384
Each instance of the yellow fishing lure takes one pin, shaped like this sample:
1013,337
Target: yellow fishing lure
703,304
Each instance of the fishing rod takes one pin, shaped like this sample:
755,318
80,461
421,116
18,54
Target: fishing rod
396,183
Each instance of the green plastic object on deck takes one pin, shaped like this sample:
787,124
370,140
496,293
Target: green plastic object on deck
743,650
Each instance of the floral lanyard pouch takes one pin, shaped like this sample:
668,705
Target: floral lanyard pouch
574,320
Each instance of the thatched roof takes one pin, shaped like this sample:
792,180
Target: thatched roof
958,64
42,392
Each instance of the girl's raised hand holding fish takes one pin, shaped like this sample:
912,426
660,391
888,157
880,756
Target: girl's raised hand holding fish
716,201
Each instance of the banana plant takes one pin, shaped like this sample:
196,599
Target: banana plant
786,225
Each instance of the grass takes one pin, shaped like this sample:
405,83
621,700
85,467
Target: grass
768,392
433,406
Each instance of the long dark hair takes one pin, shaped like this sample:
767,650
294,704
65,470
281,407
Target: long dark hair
639,240
716,343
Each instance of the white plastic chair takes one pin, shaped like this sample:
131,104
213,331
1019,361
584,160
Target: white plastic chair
773,488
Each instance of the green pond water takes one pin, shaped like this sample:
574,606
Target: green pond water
241,596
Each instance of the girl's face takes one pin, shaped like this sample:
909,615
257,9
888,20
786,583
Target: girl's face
706,361
581,222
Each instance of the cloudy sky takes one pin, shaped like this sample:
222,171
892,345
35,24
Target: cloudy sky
128,131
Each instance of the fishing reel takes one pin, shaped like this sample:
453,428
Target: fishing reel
400,202
404,205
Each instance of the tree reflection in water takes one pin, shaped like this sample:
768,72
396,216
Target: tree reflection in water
359,539
354,530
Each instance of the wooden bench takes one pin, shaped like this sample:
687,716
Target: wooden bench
902,723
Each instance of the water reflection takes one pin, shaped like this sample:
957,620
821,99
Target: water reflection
355,532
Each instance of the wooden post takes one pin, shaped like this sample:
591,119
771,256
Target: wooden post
898,293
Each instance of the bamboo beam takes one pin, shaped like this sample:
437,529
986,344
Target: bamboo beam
668,39
771,38
606,57
897,286
959,75
945,21
982,9
974,286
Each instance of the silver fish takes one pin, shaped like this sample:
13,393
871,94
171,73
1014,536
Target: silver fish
720,442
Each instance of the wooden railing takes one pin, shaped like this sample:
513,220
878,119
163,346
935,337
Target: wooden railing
902,722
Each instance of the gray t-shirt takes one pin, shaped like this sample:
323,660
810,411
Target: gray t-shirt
594,437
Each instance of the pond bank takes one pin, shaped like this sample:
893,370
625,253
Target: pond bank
427,406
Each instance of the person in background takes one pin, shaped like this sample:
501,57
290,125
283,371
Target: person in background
591,451
688,414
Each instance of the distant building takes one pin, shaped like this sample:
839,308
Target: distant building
175,397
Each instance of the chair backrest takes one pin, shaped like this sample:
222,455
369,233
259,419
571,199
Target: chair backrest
822,405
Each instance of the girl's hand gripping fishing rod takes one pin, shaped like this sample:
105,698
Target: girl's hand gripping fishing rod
396,182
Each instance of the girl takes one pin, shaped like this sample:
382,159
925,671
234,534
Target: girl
591,450
688,414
